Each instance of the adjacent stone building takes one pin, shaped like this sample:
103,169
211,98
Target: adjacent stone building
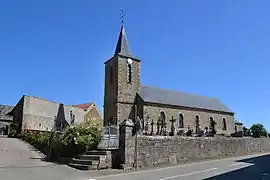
91,112
33,113
126,98
5,119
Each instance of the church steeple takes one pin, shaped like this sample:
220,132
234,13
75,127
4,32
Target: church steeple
122,43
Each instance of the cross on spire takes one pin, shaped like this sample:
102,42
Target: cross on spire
122,43
122,15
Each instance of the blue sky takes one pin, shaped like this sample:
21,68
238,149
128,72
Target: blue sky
56,49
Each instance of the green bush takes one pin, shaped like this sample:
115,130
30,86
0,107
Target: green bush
13,130
39,139
74,141
80,138
258,130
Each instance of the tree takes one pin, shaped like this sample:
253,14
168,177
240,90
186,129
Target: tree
258,130
246,131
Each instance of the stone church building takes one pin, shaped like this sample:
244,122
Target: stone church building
126,98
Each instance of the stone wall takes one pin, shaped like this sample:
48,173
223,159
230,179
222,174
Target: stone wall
39,114
119,95
189,118
94,115
158,150
110,90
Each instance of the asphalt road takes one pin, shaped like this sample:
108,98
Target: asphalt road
253,167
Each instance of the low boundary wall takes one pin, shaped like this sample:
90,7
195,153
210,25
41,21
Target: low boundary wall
158,150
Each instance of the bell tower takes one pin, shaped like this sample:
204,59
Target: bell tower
122,82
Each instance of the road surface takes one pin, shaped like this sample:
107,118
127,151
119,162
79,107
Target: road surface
19,161
17,153
250,167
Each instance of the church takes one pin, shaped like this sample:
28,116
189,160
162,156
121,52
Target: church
126,98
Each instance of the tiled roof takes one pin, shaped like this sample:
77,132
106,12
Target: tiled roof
4,109
84,106
176,98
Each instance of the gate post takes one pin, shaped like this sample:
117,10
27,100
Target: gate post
126,144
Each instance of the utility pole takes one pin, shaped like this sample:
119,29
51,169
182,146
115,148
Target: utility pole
136,138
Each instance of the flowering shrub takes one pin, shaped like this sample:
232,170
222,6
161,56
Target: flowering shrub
13,130
80,138
38,139
74,141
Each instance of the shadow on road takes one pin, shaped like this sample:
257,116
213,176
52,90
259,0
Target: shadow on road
259,169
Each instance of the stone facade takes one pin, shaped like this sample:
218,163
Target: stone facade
189,118
34,113
93,114
120,94
122,99
160,150
5,119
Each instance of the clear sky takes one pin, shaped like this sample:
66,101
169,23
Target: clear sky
56,49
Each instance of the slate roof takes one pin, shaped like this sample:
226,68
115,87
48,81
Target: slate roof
237,122
122,44
176,98
4,109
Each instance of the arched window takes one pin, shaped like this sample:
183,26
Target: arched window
162,117
212,123
129,73
111,74
197,121
180,120
224,124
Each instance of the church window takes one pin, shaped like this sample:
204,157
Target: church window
197,121
212,123
162,117
129,73
111,74
224,124
180,120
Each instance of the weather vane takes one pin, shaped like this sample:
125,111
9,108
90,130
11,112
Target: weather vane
122,15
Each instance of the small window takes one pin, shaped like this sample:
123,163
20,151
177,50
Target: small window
212,123
181,120
197,121
224,124
162,117
235,128
129,72
111,74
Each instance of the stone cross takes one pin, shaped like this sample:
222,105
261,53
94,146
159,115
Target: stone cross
158,126
172,126
147,123
152,127
139,125
163,127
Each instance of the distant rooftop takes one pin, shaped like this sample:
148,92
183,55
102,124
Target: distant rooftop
84,106
4,109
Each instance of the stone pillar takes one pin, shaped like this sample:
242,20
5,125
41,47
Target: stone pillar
127,144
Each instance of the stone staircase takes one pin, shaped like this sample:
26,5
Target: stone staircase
92,160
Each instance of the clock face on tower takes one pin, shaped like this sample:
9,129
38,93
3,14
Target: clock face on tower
129,61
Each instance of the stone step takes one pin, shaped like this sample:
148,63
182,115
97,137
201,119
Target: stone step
82,166
90,157
85,162
96,152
